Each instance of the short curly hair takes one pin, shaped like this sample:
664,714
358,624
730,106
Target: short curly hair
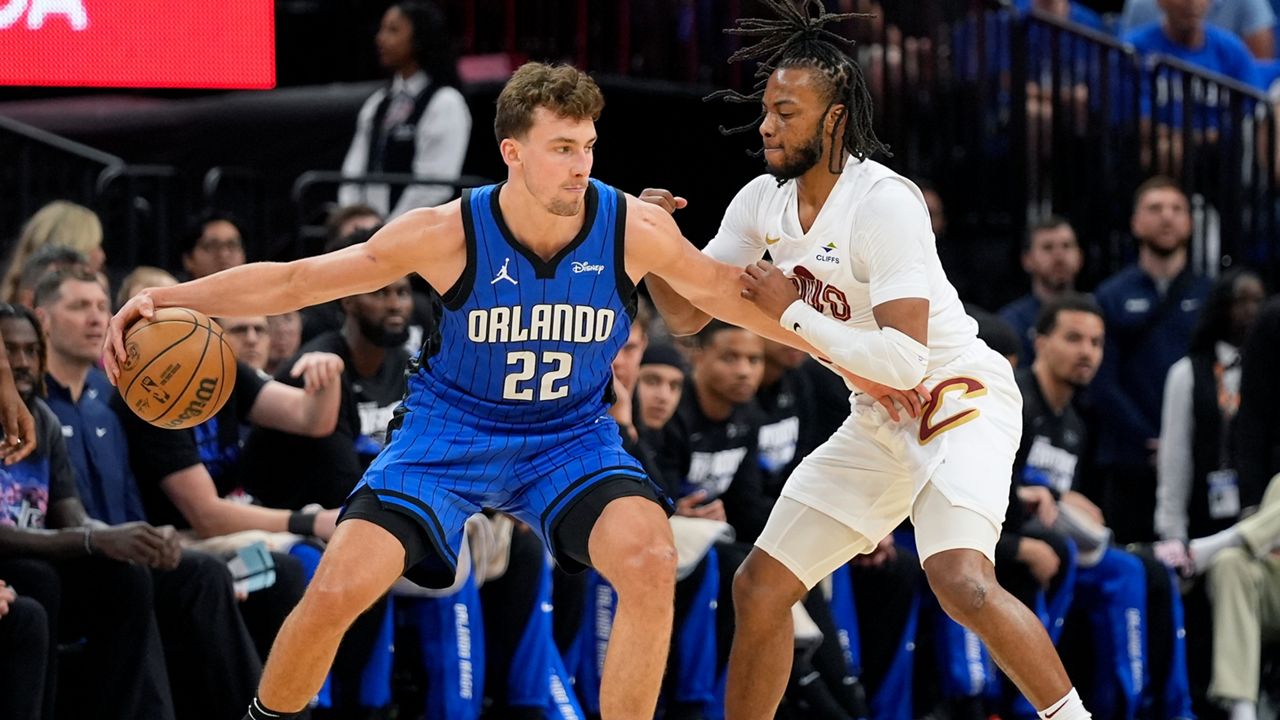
564,90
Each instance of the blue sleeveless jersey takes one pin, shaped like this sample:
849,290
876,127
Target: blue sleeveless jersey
507,405
525,341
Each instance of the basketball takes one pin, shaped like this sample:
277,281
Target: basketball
178,369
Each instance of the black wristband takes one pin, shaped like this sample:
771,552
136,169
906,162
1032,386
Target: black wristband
302,523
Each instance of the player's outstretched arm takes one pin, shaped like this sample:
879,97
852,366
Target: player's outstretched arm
681,316
656,247
429,241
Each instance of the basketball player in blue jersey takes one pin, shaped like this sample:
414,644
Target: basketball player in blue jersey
506,406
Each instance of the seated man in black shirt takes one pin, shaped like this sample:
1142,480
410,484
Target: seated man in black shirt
1118,596
287,469
710,453
91,579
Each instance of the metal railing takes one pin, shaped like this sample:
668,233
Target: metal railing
1100,119
312,207
139,205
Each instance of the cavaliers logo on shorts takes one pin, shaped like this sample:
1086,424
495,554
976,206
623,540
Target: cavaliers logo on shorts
968,387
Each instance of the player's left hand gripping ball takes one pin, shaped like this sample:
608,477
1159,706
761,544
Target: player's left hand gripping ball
770,290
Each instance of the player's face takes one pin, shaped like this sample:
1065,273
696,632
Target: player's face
1162,220
76,322
23,346
383,315
554,159
1054,257
730,365
659,393
249,339
395,40
793,125
1073,351
219,247
626,364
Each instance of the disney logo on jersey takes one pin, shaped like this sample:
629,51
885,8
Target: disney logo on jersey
826,299
825,256
581,267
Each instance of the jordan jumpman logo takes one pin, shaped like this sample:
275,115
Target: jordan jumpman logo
502,274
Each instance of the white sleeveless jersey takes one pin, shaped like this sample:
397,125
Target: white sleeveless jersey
872,242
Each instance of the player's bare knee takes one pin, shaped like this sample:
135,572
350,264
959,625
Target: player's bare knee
757,591
646,569
963,586
330,601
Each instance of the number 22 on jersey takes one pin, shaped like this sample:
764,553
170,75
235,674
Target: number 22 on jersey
555,366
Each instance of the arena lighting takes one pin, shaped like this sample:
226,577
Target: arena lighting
138,43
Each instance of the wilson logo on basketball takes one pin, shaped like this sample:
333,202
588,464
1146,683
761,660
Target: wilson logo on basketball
195,408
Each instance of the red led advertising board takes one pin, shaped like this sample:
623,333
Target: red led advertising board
138,43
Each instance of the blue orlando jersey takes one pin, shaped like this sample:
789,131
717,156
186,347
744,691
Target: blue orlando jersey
526,341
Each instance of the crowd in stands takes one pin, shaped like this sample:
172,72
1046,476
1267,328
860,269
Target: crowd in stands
148,568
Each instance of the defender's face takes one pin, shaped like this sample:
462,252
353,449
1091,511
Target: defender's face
794,123
554,159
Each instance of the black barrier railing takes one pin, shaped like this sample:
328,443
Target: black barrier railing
143,208
312,207
39,167
1210,131
1080,112
242,192
140,206
1101,119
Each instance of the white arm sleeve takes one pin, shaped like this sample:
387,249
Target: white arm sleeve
886,356
1173,455
738,241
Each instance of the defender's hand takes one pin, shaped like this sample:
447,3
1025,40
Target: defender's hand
663,199
770,290
912,401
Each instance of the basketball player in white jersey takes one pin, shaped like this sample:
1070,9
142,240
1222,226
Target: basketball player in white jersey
855,273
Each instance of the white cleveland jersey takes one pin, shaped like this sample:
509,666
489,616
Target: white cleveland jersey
872,242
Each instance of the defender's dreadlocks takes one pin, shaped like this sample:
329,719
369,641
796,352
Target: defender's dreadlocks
797,38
